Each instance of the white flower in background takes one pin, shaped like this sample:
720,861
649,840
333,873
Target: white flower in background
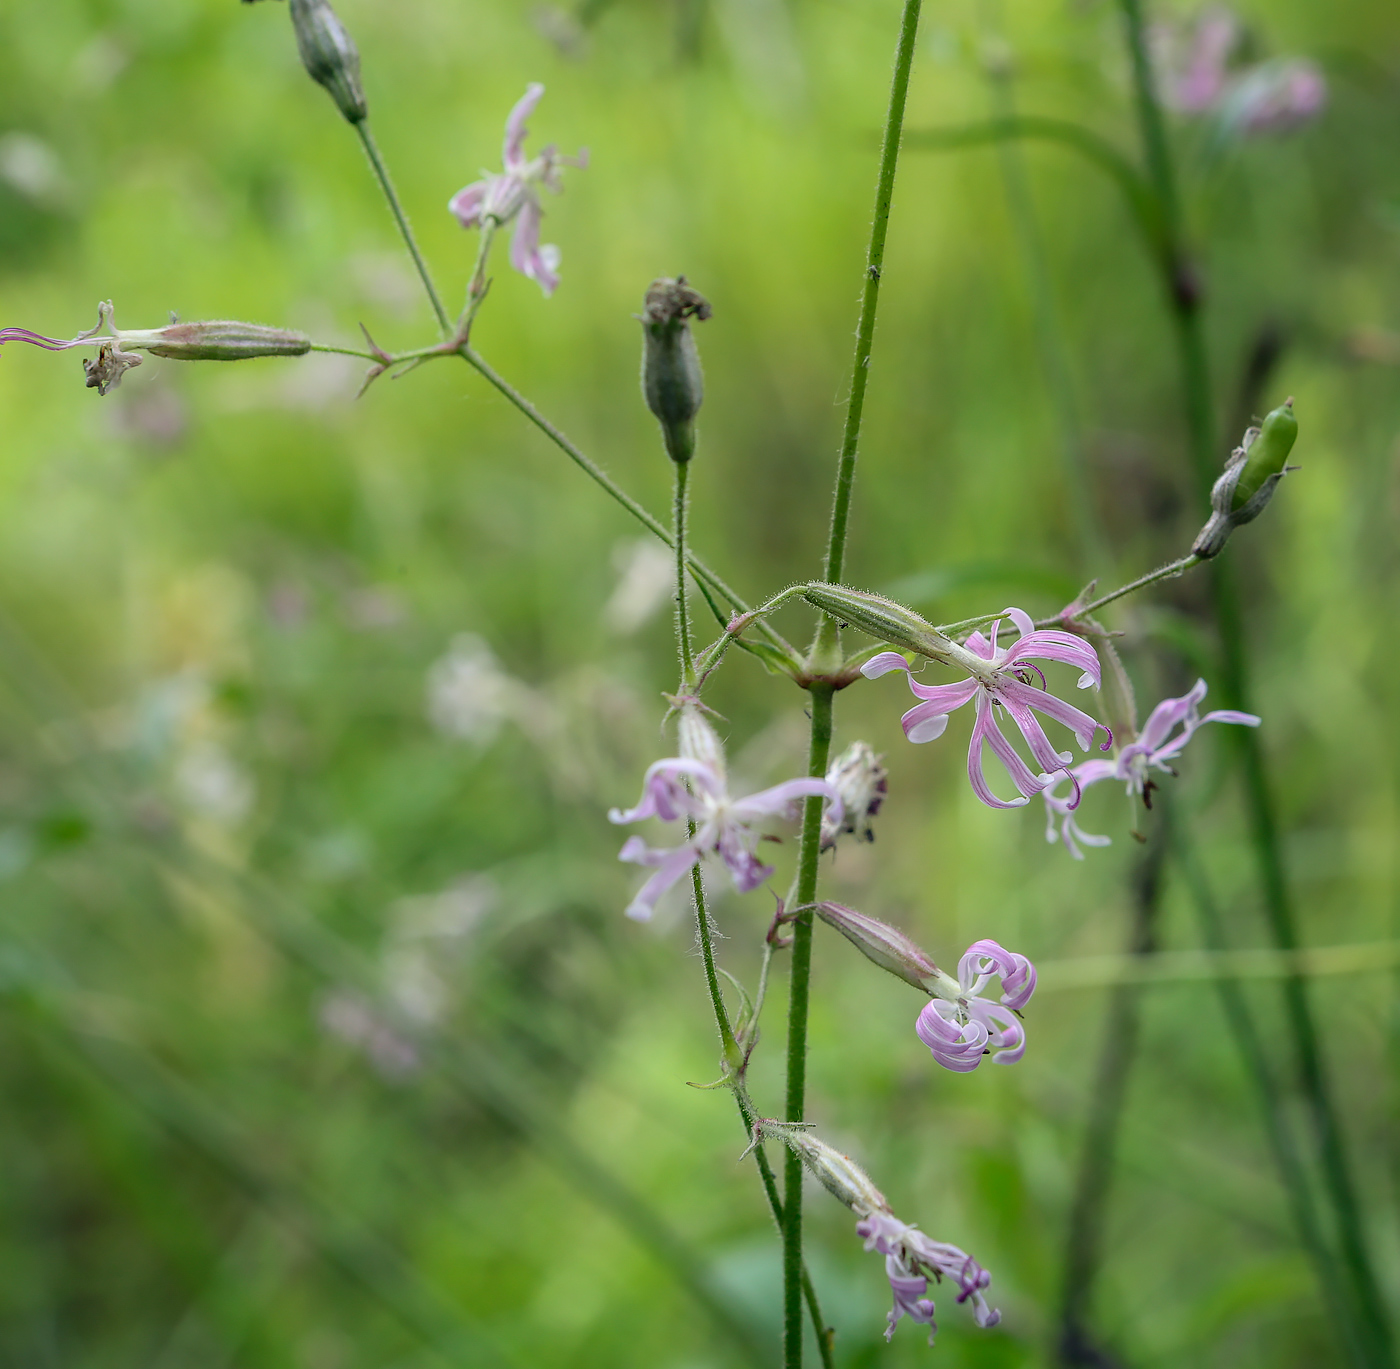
348,1017
213,784
469,695
646,579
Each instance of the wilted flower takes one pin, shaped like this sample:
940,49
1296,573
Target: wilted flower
1005,682
514,194
1153,749
862,781
695,785
911,1257
960,1026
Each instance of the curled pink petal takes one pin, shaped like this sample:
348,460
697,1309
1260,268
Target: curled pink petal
513,149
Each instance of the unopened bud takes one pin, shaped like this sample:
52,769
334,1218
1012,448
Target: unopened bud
1251,475
671,380
883,945
839,1174
862,781
881,618
329,55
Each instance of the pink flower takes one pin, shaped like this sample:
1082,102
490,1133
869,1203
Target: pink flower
960,1026
911,1258
1153,749
1195,79
1002,679
513,194
1276,97
695,785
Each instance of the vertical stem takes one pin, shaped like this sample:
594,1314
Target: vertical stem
387,186
822,695
870,295
682,611
1096,1162
818,751
1184,297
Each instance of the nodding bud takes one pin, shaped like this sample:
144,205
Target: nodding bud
1251,475
671,380
862,781
882,618
839,1174
330,56
883,945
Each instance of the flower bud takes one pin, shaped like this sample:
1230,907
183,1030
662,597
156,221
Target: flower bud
329,55
884,945
862,781
1251,474
839,1174
882,618
218,340
671,380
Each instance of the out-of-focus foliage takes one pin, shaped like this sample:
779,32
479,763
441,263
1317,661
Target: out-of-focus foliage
310,704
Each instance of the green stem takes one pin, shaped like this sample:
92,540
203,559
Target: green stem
870,296
682,610
1184,298
819,749
698,568
390,194
1271,1104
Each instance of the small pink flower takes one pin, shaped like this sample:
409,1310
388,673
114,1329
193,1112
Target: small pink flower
959,1026
1276,97
1003,679
695,785
911,1258
1195,81
513,194
1154,748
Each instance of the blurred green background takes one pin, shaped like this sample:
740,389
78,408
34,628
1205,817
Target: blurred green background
323,1040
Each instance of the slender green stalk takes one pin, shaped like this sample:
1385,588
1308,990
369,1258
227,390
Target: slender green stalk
1277,1126
1184,297
822,695
387,186
682,609
1168,572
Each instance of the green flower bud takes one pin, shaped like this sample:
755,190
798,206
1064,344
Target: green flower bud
884,619
1251,475
671,380
219,340
329,55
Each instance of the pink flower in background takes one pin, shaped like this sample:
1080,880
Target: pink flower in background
1005,682
960,1026
1277,97
695,785
1159,743
1199,81
911,1258
514,194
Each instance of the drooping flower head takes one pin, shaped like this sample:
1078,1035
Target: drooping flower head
695,785
960,1026
1163,738
513,194
862,781
911,1257
1004,679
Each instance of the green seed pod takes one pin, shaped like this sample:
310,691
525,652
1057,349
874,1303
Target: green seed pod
1251,475
1267,454
671,381
329,55
881,618
219,340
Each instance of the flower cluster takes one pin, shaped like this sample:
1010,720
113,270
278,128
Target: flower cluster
695,786
1159,743
513,194
1005,684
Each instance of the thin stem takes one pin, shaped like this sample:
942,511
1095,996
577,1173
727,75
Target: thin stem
870,296
1183,294
476,288
390,194
698,568
682,609
1168,572
1277,1127
819,750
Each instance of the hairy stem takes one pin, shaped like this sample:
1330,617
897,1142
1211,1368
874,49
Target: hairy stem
682,610
387,186
1183,294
